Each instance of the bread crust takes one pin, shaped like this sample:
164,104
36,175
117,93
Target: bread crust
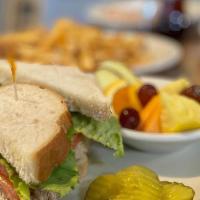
54,153
51,155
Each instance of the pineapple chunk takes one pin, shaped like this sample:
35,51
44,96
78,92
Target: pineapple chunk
179,113
177,86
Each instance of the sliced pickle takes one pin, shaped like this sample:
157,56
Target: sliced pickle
176,191
140,183
103,188
136,183
138,169
123,196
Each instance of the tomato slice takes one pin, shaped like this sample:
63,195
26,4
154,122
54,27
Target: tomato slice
76,140
6,186
3,171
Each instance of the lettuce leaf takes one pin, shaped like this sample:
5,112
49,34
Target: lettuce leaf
21,187
105,132
63,177
61,181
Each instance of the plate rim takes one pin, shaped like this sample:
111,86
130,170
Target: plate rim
159,66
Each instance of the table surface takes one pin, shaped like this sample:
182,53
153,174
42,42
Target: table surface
184,163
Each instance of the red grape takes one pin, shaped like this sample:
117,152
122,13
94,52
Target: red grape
146,92
129,118
192,92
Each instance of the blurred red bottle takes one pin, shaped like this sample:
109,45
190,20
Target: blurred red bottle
172,20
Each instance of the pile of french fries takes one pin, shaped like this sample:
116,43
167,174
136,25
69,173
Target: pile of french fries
71,44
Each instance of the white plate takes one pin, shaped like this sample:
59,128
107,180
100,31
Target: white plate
160,143
161,53
184,163
165,54
138,14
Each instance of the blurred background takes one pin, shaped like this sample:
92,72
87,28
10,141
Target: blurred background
165,33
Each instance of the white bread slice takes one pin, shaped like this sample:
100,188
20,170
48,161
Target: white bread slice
79,89
33,130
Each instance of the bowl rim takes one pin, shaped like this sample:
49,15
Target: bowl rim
185,136
156,137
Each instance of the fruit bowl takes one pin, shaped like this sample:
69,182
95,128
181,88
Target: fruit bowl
153,142
160,143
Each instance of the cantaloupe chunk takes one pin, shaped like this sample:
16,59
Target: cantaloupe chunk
150,116
126,97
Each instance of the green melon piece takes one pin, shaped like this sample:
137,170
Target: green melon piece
122,72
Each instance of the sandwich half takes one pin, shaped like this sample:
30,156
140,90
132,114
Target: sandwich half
43,134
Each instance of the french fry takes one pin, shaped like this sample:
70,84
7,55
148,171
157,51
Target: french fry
70,43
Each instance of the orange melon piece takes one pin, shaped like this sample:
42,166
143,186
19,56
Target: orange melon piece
126,97
150,116
120,100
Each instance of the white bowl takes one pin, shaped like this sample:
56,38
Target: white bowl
154,142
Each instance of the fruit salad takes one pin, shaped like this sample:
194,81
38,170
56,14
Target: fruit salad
136,183
173,108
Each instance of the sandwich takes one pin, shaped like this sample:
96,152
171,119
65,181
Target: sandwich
44,131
